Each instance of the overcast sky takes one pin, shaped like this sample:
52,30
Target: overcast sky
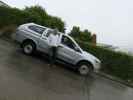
111,20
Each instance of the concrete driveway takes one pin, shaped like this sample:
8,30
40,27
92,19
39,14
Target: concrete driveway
30,78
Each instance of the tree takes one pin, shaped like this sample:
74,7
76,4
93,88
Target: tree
84,36
44,18
75,32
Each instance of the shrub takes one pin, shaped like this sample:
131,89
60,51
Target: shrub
8,31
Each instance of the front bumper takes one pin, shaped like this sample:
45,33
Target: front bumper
97,67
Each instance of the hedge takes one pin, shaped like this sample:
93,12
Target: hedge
14,16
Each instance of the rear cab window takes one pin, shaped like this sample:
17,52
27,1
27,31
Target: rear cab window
48,32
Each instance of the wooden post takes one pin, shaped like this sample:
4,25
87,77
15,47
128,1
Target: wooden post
94,39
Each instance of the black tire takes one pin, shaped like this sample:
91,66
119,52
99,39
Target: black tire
85,68
28,47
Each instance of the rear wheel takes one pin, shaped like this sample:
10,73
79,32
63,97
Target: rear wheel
85,68
28,47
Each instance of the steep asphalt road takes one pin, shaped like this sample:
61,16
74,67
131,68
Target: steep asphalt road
30,78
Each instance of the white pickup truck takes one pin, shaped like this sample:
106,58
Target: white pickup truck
34,37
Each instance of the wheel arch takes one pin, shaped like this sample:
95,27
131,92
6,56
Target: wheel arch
28,40
85,61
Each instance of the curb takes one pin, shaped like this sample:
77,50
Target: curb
118,80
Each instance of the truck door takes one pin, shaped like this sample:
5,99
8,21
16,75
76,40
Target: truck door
67,51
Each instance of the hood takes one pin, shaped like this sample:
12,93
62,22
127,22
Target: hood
88,55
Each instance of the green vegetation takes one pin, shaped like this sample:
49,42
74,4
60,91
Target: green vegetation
14,17
114,63
84,36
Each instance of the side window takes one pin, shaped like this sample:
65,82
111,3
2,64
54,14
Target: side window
67,42
50,31
37,29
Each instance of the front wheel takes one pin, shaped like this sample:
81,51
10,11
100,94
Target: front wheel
85,68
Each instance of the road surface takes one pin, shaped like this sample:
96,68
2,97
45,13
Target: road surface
30,78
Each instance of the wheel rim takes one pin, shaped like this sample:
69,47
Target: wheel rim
84,70
28,49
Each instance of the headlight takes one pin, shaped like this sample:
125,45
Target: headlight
97,61
97,64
